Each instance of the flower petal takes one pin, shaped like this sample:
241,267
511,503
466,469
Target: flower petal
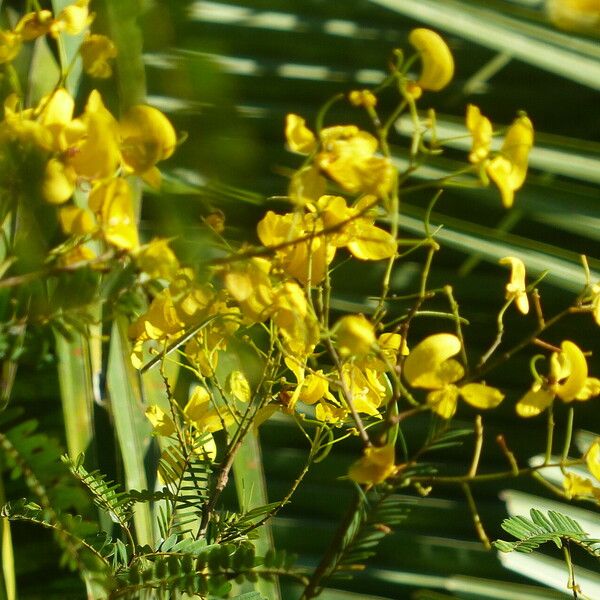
372,243
592,458
443,402
481,396
575,382
299,137
422,365
355,335
375,466
516,287
436,58
534,402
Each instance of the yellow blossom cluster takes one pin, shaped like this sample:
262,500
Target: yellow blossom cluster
567,379
92,153
183,305
96,50
508,167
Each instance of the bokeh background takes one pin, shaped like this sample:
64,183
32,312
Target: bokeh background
227,73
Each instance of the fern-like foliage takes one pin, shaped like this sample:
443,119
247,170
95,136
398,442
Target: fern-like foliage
105,494
373,519
187,475
199,571
78,553
540,529
232,527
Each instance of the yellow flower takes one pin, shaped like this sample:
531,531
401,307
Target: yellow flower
250,285
56,117
94,152
72,19
348,157
238,386
10,45
306,185
592,458
96,51
363,98
568,379
365,387
113,204
161,421
314,388
436,58
58,183
204,417
516,288
596,303
363,239
304,259
355,335
389,347
34,24
296,323
430,366
509,168
575,15
147,138
76,221
375,466
330,413
157,260
300,138
160,320
481,130
576,486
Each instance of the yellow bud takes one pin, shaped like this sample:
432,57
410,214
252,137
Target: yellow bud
436,59
147,137
363,98
355,335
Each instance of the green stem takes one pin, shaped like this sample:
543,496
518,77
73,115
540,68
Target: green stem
568,434
549,434
571,582
481,534
433,479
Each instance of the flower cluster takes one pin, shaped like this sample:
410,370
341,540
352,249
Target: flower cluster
91,154
96,50
353,371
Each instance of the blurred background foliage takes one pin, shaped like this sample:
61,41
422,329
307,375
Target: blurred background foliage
227,73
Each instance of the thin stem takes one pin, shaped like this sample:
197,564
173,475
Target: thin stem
478,446
568,434
571,582
478,524
364,436
456,312
510,457
549,434
434,479
499,333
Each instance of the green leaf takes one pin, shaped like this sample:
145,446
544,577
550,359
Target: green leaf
133,429
534,532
